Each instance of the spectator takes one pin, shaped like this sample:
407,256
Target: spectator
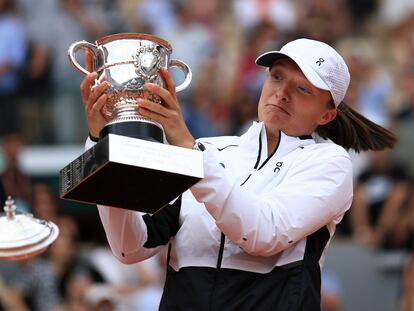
323,20
13,47
16,183
407,297
404,117
84,24
186,30
32,284
380,203
72,271
331,292
10,298
372,84
251,13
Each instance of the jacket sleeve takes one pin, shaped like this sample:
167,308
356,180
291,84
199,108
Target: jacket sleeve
315,192
126,231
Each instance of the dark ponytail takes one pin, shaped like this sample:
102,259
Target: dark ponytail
351,130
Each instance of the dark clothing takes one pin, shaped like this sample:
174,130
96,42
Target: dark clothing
295,286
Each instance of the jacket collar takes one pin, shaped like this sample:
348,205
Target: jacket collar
256,141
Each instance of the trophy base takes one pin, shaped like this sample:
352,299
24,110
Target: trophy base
131,173
136,129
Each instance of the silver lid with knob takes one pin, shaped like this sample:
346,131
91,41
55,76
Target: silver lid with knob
23,236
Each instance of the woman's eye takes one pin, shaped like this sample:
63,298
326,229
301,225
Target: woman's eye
304,89
276,76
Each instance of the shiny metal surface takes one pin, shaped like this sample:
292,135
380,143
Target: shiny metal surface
127,62
23,236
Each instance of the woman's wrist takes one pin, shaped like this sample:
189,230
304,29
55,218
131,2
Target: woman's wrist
188,143
93,138
198,146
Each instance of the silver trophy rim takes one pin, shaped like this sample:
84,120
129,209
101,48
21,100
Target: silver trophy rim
131,35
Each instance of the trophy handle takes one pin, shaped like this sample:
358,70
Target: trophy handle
75,47
187,73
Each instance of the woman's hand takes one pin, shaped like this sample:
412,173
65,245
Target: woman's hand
93,98
169,114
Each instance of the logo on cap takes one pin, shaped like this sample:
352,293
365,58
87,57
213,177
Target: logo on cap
320,61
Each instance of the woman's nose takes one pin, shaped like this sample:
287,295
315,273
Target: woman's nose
283,92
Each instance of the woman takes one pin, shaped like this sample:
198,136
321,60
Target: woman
252,234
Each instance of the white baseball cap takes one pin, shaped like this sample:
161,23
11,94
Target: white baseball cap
319,62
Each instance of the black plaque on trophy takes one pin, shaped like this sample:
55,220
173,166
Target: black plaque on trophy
130,173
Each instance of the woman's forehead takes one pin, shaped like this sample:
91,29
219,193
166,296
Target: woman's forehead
288,65
285,62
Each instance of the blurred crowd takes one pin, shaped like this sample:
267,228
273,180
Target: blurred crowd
40,104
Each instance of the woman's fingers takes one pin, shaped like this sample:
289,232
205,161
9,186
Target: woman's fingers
169,116
93,108
165,95
97,92
169,81
86,86
151,109
96,107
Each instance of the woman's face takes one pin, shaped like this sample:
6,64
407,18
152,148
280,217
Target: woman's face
290,103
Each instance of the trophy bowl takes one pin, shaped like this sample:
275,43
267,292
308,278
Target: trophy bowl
130,166
127,62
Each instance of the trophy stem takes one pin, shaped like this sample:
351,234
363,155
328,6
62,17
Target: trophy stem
127,122
125,110
142,129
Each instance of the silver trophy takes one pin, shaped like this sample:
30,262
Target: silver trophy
127,62
130,167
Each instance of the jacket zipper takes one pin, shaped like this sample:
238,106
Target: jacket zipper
223,237
259,156
218,268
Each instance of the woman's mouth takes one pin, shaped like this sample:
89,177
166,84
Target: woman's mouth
278,108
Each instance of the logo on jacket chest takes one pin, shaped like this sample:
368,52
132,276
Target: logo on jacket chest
278,167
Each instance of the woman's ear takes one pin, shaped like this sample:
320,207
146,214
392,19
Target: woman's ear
328,116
